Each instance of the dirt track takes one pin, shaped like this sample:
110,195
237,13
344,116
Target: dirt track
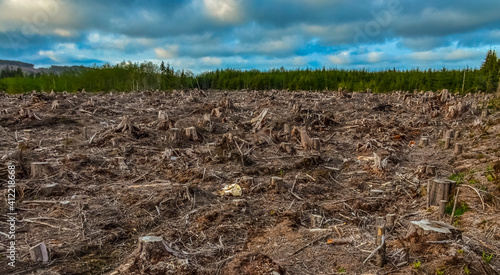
123,173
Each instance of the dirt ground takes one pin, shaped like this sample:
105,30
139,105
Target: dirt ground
315,169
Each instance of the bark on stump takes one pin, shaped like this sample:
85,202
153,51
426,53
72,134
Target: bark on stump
447,141
287,130
316,221
316,144
390,220
191,133
424,141
458,149
278,185
39,169
305,140
288,147
175,135
437,190
380,257
430,170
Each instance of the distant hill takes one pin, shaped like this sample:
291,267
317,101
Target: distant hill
30,68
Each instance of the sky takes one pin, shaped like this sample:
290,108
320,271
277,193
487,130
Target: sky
201,35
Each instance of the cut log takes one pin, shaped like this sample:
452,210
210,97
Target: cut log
39,169
39,253
191,133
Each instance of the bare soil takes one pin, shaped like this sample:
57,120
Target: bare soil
122,171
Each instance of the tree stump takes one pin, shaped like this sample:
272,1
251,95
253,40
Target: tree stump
380,257
390,220
287,130
424,141
55,105
287,147
429,231
278,185
457,135
191,133
216,112
39,169
458,149
247,182
39,253
430,170
484,114
151,248
175,135
437,190
316,221
316,144
447,142
305,140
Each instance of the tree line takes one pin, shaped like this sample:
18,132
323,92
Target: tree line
128,76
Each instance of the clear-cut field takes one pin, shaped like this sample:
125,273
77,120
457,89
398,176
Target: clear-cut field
315,171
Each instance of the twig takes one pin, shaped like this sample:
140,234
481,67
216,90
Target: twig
454,206
375,251
477,192
46,224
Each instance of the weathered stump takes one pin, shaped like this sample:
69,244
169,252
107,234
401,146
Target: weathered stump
287,131
191,133
39,253
316,144
278,185
316,221
39,169
424,141
458,149
287,147
175,135
437,190
447,142
380,257
305,140
430,170
390,220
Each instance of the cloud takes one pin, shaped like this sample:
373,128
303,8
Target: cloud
167,52
206,34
